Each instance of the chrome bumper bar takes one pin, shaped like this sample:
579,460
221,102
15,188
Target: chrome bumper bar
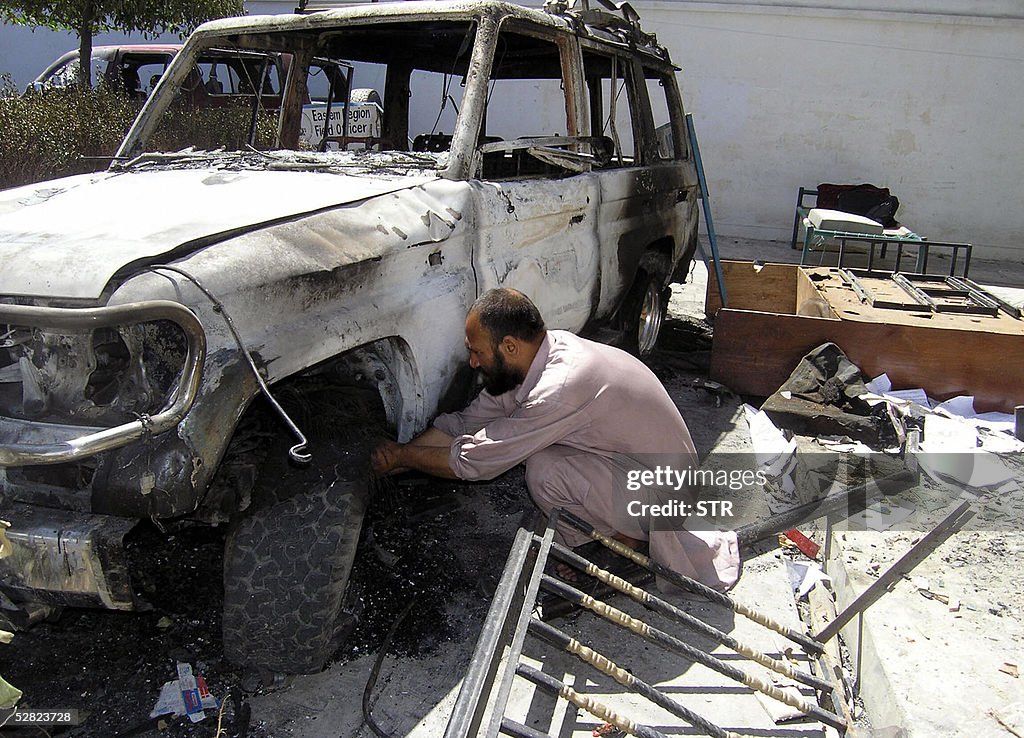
74,448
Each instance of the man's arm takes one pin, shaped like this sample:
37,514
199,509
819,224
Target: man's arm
427,453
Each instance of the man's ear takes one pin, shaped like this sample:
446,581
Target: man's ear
509,345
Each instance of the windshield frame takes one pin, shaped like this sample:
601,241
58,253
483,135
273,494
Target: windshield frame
218,35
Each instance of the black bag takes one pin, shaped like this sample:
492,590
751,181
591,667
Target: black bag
871,202
885,212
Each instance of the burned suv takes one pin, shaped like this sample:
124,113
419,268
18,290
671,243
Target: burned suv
268,281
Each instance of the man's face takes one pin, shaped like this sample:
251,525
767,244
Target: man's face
487,358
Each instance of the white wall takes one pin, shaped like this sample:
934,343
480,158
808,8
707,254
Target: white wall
925,97
921,100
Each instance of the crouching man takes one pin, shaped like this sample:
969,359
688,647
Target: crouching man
585,417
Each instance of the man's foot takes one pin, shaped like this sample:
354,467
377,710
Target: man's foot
602,557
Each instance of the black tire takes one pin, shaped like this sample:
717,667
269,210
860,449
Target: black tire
286,567
287,562
645,308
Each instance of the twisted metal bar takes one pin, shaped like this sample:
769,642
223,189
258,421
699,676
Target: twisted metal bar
692,585
667,641
605,665
659,605
584,702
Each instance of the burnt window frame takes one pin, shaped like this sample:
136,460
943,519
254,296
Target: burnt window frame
676,111
571,80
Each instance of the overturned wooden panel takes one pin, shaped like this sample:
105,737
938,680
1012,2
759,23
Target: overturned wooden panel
756,348
749,286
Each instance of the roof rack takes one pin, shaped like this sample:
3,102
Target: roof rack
628,25
305,7
623,23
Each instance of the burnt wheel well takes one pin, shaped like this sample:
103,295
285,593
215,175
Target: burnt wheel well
657,258
336,404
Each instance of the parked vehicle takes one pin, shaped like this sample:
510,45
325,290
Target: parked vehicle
144,310
218,77
132,68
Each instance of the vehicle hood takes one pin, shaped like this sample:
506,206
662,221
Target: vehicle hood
67,238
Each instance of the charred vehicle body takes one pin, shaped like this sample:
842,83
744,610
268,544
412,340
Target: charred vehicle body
321,261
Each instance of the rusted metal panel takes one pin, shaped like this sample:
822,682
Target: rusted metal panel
74,559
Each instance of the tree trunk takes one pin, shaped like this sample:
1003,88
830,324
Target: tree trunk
85,46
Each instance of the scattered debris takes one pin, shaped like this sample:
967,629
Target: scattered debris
719,391
823,396
186,695
1010,668
805,545
805,576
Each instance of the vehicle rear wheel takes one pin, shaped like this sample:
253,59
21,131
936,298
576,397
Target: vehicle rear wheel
645,309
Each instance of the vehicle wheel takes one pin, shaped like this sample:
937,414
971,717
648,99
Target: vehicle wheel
644,311
287,562
286,567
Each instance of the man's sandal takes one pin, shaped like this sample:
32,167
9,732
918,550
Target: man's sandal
603,558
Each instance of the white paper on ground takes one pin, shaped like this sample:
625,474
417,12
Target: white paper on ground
843,444
962,406
772,449
999,442
997,421
948,435
994,430
879,385
916,395
804,576
950,451
902,400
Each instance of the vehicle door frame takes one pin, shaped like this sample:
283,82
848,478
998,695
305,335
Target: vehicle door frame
580,217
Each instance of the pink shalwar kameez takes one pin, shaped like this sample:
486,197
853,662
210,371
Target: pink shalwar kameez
585,415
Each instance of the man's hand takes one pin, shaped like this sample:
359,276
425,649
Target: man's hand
385,459
427,453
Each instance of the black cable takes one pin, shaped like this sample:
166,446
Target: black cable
375,671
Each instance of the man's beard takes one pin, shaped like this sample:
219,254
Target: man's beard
502,378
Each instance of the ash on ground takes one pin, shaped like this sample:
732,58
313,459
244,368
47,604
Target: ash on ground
418,542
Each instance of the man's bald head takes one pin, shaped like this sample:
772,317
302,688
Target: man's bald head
506,312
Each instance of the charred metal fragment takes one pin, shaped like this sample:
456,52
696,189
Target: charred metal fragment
67,559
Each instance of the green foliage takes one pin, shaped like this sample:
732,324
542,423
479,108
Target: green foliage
213,128
52,134
43,136
88,17
147,16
